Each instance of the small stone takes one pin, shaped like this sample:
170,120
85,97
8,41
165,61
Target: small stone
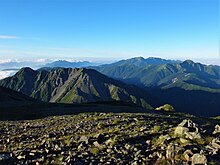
170,152
97,144
81,147
109,150
148,142
84,139
127,146
21,157
31,154
137,153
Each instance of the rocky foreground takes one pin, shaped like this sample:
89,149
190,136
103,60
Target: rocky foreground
111,138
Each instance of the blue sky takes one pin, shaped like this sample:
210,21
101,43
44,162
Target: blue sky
109,29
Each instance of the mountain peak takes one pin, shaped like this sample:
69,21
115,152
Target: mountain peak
189,62
140,61
26,70
138,58
68,64
155,58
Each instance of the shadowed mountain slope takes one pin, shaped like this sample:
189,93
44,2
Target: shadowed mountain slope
10,98
73,86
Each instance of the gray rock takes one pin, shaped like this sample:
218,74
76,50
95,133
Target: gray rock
170,152
21,157
127,146
187,129
137,153
163,138
81,147
109,150
84,139
188,154
214,146
97,144
217,129
199,159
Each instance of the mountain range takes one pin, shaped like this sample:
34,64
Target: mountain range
68,64
154,72
188,86
10,68
67,85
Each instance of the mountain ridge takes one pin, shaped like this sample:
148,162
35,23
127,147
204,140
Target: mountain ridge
164,75
66,85
68,64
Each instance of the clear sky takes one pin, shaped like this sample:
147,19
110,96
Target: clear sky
109,29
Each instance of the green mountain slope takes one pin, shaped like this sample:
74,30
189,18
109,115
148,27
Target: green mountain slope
190,87
73,86
187,75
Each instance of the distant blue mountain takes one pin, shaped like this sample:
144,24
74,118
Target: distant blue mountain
67,64
141,62
18,65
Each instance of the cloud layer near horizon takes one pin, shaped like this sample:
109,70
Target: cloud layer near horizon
8,37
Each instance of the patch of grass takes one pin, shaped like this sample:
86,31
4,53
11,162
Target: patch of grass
208,139
67,140
116,122
101,126
114,130
200,141
156,129
94,150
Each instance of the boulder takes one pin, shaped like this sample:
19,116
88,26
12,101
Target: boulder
214,146
199,159
217,129
188,130
166,107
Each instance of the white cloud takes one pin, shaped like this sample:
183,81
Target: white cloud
41,60
4,74
5,61
8,37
